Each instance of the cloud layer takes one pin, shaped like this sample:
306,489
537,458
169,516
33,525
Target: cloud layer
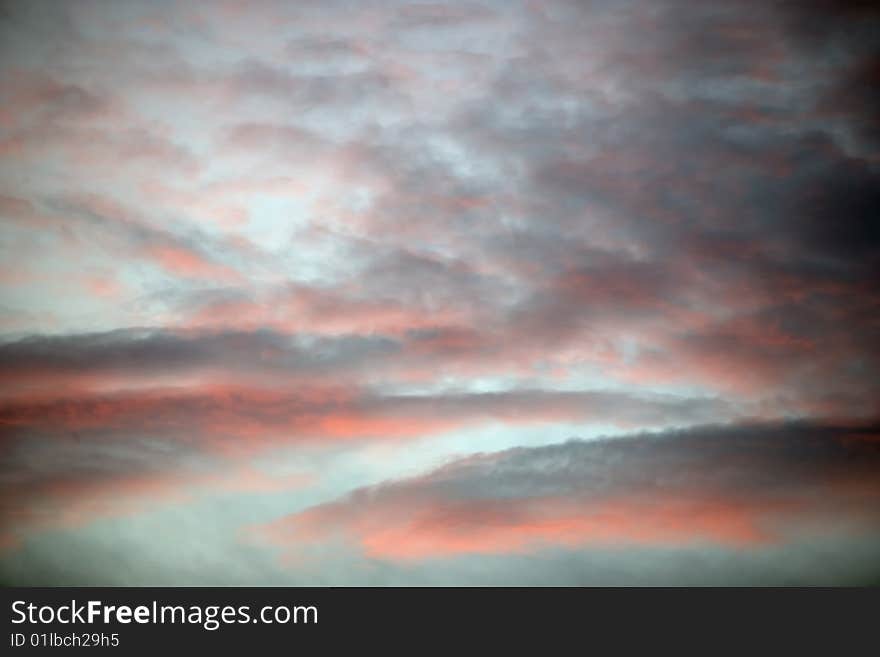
741,491
280,251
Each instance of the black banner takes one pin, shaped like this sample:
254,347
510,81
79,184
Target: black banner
132,620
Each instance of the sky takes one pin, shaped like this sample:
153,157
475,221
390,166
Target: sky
563,292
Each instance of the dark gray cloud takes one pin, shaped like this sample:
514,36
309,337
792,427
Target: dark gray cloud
148,352
731,500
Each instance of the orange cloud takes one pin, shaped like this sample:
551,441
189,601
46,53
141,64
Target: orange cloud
405,531
616,522
105,288
188,264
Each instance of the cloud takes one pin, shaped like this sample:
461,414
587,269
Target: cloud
241,419
389,231
71,485
742,487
